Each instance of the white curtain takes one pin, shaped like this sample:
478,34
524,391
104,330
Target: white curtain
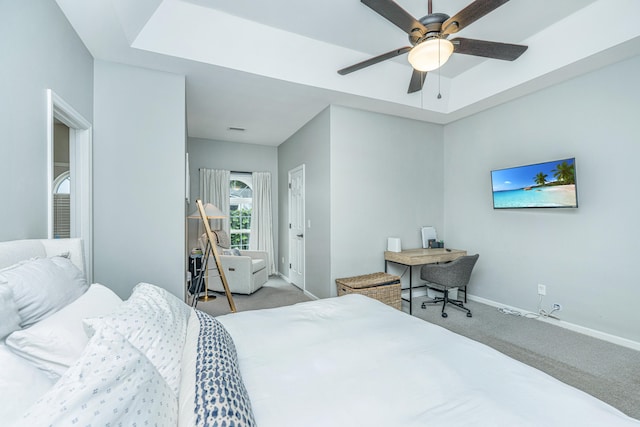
214,189
261,218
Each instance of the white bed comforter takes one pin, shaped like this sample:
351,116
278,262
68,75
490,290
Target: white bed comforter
352,361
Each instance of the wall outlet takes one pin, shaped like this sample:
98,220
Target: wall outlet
557,307
542,289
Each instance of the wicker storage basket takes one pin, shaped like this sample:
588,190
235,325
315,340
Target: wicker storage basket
384,287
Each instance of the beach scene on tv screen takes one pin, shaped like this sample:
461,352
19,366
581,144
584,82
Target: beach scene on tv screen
542,185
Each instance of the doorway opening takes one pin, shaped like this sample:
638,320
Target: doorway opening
69,171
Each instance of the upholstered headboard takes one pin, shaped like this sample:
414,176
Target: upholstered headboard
14,251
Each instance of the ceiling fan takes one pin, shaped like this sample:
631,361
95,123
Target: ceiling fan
430,48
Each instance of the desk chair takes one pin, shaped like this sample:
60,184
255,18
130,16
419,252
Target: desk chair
442,277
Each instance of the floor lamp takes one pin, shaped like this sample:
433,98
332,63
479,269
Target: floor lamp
212,212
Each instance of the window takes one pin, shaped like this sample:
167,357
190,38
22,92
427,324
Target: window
62,206
240,201
62,184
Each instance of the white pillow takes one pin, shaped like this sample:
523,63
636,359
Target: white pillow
55,343
42,286
111,384
155,322
9,317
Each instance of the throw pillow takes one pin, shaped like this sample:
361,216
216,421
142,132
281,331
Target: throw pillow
9,317
56,342
221,398
155,322
111,384
222,238
43,286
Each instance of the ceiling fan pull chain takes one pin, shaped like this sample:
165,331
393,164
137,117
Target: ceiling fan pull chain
439,94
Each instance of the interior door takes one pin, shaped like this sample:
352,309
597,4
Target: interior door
296,226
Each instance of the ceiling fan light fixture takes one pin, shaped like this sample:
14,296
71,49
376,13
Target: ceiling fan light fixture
430,54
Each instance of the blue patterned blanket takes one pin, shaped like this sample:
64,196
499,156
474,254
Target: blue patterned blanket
221,397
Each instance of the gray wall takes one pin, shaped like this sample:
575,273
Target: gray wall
205,153
584,256
386,181
38,50
309,146
139,178
368,177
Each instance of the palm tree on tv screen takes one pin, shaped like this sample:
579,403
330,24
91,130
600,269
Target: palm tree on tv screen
565,173
540,178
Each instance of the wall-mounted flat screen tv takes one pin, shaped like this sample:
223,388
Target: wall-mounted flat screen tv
541,185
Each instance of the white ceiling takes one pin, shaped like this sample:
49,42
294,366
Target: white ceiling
270,66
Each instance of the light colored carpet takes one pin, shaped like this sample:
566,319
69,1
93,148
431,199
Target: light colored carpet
275,293
607,371
604,370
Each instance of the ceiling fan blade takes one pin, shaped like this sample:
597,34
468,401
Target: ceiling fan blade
396,15
504,51
374,60
417,81
470,14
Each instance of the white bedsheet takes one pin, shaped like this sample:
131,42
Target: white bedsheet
21,384
352,361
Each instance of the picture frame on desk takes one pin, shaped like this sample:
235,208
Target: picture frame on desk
428,233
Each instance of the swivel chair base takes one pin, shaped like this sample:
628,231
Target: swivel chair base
445,300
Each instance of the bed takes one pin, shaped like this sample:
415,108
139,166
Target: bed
346,361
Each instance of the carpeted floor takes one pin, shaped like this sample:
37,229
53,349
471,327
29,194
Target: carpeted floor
275,293
607,371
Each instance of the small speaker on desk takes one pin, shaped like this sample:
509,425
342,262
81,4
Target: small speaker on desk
394,244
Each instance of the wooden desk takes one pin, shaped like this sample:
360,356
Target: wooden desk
413,257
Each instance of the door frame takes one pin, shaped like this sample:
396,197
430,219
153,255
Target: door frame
80,169
304,240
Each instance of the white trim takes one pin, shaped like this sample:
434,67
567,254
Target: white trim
307,293
81,150
49,176
187,185
300,168
634,345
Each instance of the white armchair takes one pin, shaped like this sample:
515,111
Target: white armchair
246,273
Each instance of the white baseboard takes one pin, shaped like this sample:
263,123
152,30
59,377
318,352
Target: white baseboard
634,345
283,277
307,293
421,292
310,295
416,293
